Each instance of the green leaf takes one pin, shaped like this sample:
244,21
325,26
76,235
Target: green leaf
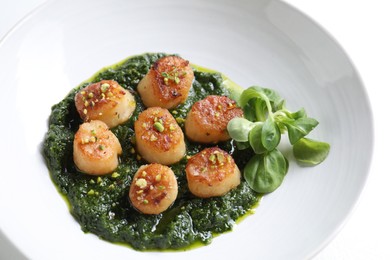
265,172
309,152
267,118
255,139
270,135
239,128
248,94
273,96
250,111
299,114
299,128
259,92
260,109
281,105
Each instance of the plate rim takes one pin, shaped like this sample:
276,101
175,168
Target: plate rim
25,19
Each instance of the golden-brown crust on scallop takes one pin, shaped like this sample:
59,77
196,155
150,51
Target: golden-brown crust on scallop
167,83
212,172
106,101
208,118
96,148
153,189
163,145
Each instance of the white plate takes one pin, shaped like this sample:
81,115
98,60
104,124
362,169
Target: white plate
265,43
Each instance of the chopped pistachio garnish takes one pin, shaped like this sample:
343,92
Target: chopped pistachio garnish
173,75
180,120
220,158
212,158
177,80
82,92
139,191
86,103
161,187
141,183
172,127
85,111
104,87
158,126
144,173
90,95
115,175
153,138
158,177
231,105
93,131
145,201
144,125
101,147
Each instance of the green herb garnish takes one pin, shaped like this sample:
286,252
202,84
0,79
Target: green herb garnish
265,120
173,75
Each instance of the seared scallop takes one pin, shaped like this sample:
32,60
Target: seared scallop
153,189
167,83
159,139
211,173
96,148
208,118
106,101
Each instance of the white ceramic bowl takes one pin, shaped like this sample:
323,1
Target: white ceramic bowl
265,43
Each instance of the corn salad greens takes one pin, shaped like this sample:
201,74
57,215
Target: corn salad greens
265,119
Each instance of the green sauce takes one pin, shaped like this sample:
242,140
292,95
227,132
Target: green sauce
101,205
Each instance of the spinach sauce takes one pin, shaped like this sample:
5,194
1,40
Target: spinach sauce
101,204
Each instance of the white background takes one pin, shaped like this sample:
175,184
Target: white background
362,28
